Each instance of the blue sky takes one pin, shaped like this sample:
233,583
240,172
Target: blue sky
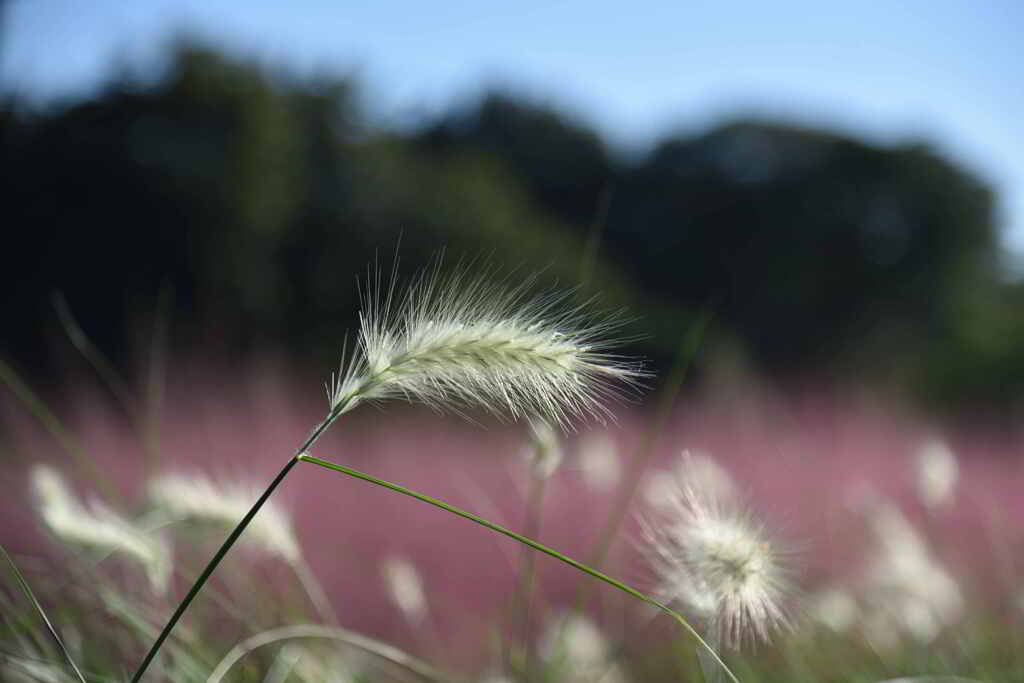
948,72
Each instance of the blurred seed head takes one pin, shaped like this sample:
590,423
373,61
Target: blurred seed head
197,498
693,469
835,608
317,666
905,586
709,555
28,670
937,472
577,650
599,460
544,451
97,526
405,587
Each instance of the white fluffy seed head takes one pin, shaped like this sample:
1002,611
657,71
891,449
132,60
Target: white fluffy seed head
835,608
97,526
197,498
937,472
459,341
599,462
405,587
710,556
544,450
907,587
577,650
696,470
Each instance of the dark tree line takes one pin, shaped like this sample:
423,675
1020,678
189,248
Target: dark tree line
257,199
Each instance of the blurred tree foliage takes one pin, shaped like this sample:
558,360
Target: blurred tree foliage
258,199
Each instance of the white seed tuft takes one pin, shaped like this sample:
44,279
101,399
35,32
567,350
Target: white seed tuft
908,589
937,472
710,556
544,451
459,341
197,498
835,608
576,650
599,462
405,588
695,470
97,526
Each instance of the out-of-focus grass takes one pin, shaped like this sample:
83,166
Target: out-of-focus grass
814,468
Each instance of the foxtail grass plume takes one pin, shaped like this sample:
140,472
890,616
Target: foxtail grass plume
937,471
835,608
574,647
405,587
907,589
599,462
544,451
199,499
97,526
693,469
710,556
460,341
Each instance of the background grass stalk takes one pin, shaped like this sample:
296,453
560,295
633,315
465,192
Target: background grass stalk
642,457
687,352
529,568
625,588
50,422
27,590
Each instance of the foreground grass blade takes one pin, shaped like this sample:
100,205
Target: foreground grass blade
230,541
105,370
629,590
27,590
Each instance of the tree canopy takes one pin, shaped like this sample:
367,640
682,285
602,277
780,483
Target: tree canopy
258,198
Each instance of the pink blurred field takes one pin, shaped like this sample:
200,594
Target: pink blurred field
805,463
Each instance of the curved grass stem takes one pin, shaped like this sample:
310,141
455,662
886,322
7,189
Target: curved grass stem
625,588
383,650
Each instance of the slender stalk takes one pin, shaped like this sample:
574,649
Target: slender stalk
27,590
232,537
643,455
314,591
384,651
50,422
712,674
625,588
687,352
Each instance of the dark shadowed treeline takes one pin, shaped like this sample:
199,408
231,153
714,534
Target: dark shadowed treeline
249,202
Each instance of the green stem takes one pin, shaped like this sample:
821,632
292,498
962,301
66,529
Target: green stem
529,567
629,590
50,422
233,536
27,590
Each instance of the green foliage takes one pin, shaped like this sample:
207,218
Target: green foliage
257,197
